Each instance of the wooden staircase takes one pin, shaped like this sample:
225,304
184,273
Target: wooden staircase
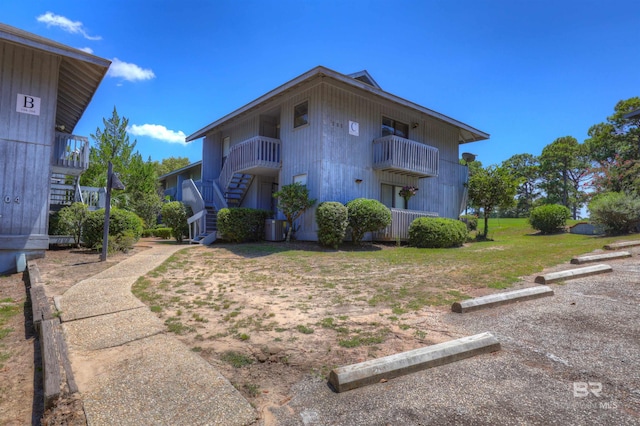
237,189
64,191
208,234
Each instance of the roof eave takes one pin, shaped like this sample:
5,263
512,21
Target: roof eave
93,69
475,134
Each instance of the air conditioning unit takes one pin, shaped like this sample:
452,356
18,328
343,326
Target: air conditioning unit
274,230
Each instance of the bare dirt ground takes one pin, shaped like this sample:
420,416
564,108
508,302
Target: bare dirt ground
267,320
21,398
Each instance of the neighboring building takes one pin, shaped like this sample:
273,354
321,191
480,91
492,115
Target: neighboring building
46,87
345,138
171,183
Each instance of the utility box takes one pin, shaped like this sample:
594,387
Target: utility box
274,230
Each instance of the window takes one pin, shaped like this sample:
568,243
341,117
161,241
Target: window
226,144
390,196
393,127
301,114
301,179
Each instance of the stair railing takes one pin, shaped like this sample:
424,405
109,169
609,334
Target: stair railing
192,197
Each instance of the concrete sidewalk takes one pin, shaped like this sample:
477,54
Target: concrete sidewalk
128,370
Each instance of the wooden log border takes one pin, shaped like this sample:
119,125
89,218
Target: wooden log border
56,367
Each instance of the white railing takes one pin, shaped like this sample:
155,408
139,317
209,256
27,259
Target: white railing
400,221
191,196
70,151
211,194
404,155
258,151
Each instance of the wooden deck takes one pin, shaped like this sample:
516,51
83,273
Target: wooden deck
70,154
404,156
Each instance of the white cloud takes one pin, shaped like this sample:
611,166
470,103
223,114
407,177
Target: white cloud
157,131
86,50
73,27
130,72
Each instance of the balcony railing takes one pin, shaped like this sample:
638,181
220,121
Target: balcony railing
400,221
404,156
70,154
258,155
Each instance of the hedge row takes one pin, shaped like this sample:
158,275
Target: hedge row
240,224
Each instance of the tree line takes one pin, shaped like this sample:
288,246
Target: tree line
142,193
567,172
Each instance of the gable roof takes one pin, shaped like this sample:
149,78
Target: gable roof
79,76
466,132
366,78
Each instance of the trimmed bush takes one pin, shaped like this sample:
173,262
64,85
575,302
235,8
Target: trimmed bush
471,221
175,215
164,233
437,232
617,212
366,215
549,218
332,218
125,228
240,224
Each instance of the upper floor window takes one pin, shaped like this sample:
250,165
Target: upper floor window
301,114
393,127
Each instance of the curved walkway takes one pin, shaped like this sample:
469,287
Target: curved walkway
128,370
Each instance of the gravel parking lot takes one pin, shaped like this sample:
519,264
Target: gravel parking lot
570,359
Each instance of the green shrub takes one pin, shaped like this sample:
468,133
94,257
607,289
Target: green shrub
55,227
125,228
366,215
549,218
148,233
164,233
175,215
437,232
332,219
293,200
471,221
71,220
239,224
616,212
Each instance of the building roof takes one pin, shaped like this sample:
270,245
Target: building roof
632,114
466,132
180,170
79,76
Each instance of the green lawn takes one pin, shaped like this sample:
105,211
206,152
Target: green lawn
403,278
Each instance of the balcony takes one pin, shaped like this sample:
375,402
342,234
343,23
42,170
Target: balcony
403,156
70,154
256,156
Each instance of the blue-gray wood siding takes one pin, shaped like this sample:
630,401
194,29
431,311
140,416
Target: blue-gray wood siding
333,159
26,145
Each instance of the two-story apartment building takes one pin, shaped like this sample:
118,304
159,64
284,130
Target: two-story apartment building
345,138
45,87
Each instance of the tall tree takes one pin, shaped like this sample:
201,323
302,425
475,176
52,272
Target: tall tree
618,136
525,168
565,169
614,147
170,164
111,144
491,188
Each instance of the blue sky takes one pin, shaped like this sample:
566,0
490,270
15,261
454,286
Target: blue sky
527,72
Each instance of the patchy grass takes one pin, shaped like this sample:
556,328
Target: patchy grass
236,359
8,309
333,307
